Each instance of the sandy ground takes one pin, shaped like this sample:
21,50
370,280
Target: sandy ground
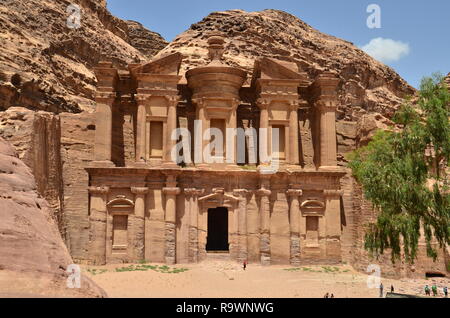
223,279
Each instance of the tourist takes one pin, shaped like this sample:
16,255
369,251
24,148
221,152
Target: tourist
326,295
392,288
427,290
445,292
245,265
381,290
434,289
332,296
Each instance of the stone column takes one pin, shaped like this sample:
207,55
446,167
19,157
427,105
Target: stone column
171,126
294,157
139,223
263,105
103,127
200,143
294,222
171,192
327,102
328,143
242,225
141,138
192,194
97,225
264,212
333,223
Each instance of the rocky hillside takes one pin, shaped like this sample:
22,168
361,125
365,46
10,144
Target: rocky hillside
33,257
147,42
46,65
367,85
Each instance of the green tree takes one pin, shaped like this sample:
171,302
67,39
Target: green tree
404,173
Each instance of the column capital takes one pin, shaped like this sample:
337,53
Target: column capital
142,98
263,103
139,190
326,105
171,191
294,193
173,100
263,192
99,190
200,102
333,193
105,97
294,105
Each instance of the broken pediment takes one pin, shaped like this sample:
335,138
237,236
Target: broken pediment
166,65
272,69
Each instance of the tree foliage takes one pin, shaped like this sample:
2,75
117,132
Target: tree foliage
405,173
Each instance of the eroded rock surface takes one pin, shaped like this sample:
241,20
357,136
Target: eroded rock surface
46,65
33,257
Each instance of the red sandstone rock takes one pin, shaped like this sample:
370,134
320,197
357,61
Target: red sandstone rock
33,257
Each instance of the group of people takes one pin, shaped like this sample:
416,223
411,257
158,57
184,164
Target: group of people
428,291
434,289
327,295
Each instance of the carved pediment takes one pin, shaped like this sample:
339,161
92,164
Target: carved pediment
120,203
313,207
166,65
271,69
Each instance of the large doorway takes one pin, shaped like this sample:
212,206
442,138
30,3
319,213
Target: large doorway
217,230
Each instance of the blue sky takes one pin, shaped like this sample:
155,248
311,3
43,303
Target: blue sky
419,29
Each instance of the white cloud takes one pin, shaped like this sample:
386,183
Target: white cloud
386,50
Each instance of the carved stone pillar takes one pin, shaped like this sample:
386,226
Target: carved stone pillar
328,143
139,223
333,223
326,105
264,141
294,222
242,225
141,138
171,127
171,192
294,157
199,133
103,127
192,195
264,194
97,225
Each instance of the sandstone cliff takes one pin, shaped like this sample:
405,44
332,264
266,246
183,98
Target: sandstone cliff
33,258
46,65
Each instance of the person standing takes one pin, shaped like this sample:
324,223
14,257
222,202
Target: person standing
332,296
381,290
427,290
326,295
434,289
445,292
392,288
245,265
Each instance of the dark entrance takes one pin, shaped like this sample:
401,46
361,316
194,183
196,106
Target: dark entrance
217,230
